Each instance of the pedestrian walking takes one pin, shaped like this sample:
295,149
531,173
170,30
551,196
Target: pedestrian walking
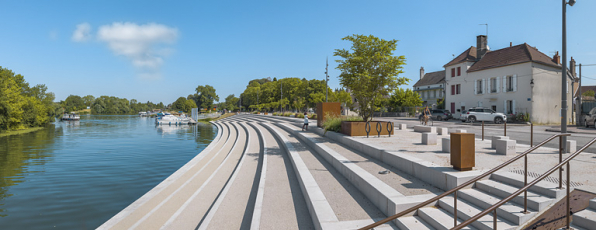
305,122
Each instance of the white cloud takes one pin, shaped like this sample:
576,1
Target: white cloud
144,45
82,33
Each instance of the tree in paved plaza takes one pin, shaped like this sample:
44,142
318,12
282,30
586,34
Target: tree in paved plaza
370,70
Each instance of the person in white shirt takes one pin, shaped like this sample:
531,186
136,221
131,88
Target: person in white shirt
305,122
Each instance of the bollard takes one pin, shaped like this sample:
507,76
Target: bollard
505,129
388,128
367,128
482,130
379,128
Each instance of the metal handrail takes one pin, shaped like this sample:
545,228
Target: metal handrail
465,184
525,188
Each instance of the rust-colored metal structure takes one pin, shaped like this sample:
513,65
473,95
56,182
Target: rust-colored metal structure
463,151
327,109
358,128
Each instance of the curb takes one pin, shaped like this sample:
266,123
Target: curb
569,131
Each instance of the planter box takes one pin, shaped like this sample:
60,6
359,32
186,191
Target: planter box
265,113
357,128
327,109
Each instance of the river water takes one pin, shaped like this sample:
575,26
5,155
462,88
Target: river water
77,175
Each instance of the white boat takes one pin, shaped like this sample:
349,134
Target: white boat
172,120
143,114
71,117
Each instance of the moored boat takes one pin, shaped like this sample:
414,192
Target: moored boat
170,119
70,117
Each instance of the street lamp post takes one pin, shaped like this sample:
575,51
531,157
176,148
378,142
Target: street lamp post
564,74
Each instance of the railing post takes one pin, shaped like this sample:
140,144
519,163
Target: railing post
482,130
526,183
568,209
495,219
531,134
455,208
560,160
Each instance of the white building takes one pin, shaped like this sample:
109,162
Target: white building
516,79
431,87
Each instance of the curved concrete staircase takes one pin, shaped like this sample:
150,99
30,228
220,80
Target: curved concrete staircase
262,172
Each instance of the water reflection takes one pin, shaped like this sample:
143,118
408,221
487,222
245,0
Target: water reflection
78,174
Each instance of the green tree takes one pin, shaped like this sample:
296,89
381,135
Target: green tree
405,98
179,104
88,100
73,103
204,97
298,103
588,93
189,105
370,70
231,102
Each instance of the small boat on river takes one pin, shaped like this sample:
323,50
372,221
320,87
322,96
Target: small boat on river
169,119
70,117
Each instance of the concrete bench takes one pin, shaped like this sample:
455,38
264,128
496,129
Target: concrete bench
403,126
429,138
446,145
493,144
571,146
459,131
505,147
425,129
442,131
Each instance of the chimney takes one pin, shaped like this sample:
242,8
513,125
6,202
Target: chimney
510,44
572,67
557,58
481,46
421,72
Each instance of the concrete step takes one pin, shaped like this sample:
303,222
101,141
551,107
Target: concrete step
536,202
439,218
592,204
585,219
544,188
508,211
340,198
412,223
467,210
280,202
234,206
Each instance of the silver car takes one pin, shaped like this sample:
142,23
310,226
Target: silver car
590,118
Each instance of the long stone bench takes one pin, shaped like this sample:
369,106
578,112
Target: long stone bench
425,129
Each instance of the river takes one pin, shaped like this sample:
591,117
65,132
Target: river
77,175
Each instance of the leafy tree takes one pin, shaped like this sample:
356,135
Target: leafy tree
231,102
405,98
588,93
189,105
179,104
204,97
370,70
88,100
299,103
73,103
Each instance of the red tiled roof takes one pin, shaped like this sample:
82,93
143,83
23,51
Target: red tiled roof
468,55
512,55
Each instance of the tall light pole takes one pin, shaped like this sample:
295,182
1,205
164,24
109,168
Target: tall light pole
326,79
564,74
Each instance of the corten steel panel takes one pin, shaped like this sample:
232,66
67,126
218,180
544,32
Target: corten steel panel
463,155
357,128
324,109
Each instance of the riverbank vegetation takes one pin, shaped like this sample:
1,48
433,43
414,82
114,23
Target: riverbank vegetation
22,106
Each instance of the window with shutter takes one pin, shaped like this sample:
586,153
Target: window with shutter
458,71
452,72
453,90
458,89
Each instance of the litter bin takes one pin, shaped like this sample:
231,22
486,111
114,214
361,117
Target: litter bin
463,151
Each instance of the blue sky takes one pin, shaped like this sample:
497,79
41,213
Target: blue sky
161,50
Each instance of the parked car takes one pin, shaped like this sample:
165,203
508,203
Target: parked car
439,115
485,114
464,116
590,118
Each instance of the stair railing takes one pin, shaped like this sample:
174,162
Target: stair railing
525,189
484,175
